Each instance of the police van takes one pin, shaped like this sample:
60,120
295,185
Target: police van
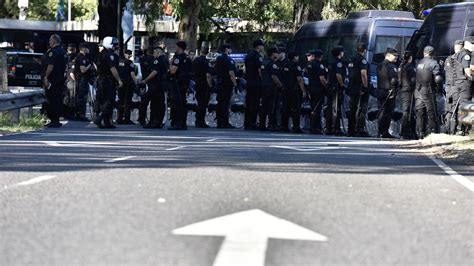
445,24
24,69
379,29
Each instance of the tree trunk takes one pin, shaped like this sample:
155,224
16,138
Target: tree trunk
107,18
189,22
306,10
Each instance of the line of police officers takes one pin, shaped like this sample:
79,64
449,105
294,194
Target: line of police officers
275,88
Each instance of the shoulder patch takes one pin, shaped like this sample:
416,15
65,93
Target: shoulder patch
176,61
321,66
260,59
50,54
395,69
364,61
275,66
155,62
84,62
467,57
112,58
298,68
339,65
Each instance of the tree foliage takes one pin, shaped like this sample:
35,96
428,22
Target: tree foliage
46,9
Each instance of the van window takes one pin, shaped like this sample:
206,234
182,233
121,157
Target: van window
470,23
420,40
448,27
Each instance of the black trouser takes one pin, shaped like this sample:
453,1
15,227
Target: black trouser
54,98
158,105
458,94
106,92
144,102
291,104
425,108
332,111
407,122
358,105
386,108
125,95
80,99
202,98
224,95
317,102
268,108
179,113
252,102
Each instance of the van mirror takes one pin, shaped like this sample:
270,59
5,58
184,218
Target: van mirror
378,58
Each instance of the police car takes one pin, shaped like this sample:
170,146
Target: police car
24,69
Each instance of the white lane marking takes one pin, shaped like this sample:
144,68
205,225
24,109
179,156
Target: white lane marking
33,181
74,143
212,140
246,235
120,159
457,177
308,149
176,148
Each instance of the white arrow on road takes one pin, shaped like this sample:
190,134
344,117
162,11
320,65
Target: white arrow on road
246,235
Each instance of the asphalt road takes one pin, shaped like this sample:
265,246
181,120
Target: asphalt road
81,196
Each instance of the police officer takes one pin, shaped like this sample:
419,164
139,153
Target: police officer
293,91
146,64
407,86
455,67
317,85
83,73
71,51
282,61
387,84
180,73
358,92
334,95
203,79
106,86
126,71
226,82
465,94
427,73
271,83
56,63
253,63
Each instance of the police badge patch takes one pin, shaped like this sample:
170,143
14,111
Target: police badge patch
364,61
260,59
339,65
155,62
321,66
467,57
275,66
299,68
50,54
176,61
112,57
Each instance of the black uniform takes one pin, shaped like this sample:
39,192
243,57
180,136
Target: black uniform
269,68
315,70
253,63
291,96
146,63
82,84
460,92
334,98
179,83
224,64
426,70
158,90
407,87
387,83
54,94
359,96
202,68
126,68
106,86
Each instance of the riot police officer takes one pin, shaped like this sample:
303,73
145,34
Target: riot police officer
253,63
293,91
203,79
317,85
455,67
56,62
226,82
106,86
180,74
358,92
334,95
155,82
271,83
146,64
407,86
126,70
387,84
427,73
83,69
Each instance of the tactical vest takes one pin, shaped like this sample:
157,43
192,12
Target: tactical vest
450,74
266,75
459,70
102,67
424,75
